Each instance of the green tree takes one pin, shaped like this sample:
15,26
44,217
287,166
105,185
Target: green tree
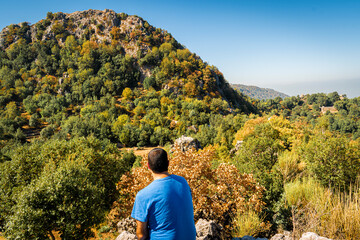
66,199
334,160
65,186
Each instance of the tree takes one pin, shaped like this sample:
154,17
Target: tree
127,93
59,185
333,160
66,199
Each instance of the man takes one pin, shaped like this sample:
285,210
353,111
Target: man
163,210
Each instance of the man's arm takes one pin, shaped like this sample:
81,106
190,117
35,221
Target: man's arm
142,231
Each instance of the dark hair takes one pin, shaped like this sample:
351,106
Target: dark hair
158,160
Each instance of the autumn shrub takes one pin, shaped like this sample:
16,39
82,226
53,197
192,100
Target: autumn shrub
218,193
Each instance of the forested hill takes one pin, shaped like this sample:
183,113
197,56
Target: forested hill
90,44
259,93
99,66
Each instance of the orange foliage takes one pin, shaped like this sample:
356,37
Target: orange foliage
115,33
248,128
218,194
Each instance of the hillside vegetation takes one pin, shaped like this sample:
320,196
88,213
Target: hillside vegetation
77,89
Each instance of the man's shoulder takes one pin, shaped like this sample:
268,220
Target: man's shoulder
179,178
146,190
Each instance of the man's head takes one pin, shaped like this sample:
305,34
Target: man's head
158,160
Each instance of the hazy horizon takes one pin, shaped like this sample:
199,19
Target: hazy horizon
299,88
293,47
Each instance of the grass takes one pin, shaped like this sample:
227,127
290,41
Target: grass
328,213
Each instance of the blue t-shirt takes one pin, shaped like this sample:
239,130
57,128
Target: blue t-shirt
166,204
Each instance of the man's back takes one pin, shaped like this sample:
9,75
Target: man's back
166,205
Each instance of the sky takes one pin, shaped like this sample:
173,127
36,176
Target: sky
293,46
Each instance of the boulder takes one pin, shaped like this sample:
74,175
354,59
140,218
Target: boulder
208,230
237,147
282,236
126,236
127,224
186,143
312,236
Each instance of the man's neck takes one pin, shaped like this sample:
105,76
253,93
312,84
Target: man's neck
160,175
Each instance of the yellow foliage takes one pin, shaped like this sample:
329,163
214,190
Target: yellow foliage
301,192
120,122
290,165
249,223
127,93
88,46
332,215
248,128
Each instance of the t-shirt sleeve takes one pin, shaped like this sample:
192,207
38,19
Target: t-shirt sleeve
140,209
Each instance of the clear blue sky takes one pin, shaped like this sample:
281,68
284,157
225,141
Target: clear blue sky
296,47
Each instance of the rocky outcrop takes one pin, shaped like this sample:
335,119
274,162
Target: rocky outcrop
127,224
95,25
186,143
306,236
282,236
312,236
208,230
237,147
126,236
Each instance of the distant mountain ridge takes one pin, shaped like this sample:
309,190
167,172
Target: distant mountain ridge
258,93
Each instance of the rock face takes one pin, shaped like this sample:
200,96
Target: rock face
186,143
128,225
208,230
95,25
126,236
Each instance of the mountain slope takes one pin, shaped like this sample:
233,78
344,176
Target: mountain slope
258,93
149,47
109,75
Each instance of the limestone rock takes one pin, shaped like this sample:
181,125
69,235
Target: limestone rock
282,236
126,236
127,224
312,236
208,230
186,143
237,147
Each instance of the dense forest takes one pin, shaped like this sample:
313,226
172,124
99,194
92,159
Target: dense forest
77,89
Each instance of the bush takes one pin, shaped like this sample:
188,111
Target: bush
218,194
249,223
333,160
